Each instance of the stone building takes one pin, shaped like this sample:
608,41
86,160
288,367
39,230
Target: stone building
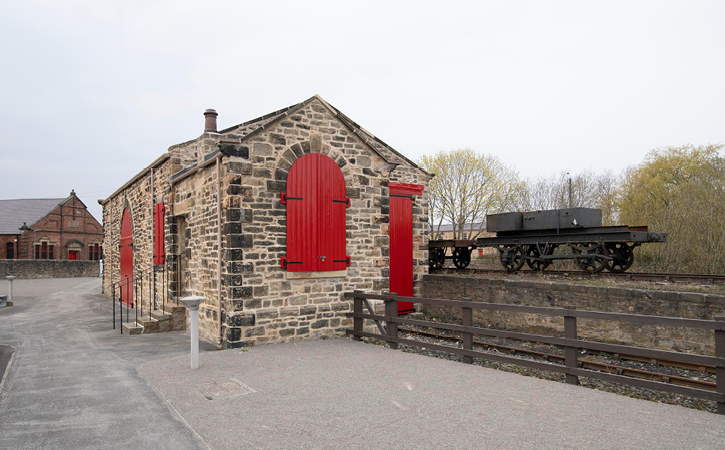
272,220
49,228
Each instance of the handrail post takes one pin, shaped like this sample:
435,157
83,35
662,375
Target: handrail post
140,290
720,365
357,322
391,310
467,337
570,355
135,299
120,304
113,303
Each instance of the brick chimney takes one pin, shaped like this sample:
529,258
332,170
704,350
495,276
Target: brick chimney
210,121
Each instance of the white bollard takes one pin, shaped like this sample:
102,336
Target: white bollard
10,287
192,303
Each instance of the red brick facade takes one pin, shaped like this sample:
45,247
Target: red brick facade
67,232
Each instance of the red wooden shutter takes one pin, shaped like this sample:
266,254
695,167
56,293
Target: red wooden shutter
316,206
159,247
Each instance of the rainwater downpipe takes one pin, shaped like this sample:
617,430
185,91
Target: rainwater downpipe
219,249
152,301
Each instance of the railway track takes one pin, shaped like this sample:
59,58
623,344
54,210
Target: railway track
652,277
595,365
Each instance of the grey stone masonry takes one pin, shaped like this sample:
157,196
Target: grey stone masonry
691,305
226,229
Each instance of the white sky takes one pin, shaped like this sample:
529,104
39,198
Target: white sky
93,91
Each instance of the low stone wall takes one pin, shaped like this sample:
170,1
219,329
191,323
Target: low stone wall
42,268
691,305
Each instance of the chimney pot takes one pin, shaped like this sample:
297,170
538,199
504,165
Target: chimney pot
210,121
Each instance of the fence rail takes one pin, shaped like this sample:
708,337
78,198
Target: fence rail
570,342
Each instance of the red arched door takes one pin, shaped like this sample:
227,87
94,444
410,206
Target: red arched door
126,258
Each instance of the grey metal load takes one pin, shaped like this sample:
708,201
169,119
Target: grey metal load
533,237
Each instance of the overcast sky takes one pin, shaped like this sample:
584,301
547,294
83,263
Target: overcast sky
91,92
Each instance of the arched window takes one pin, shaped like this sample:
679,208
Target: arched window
316,203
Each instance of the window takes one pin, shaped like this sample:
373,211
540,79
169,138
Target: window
44,250
94,252
10,250
316,207
159,249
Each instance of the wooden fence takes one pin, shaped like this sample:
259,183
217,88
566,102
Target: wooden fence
570,341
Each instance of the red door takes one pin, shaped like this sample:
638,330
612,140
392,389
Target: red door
316,206
126,258
72,255
401,241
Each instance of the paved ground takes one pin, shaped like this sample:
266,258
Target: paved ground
73,383
76,384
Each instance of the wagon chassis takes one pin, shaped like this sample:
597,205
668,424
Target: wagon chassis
460,252
594,249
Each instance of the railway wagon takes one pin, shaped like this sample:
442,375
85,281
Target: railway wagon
533,238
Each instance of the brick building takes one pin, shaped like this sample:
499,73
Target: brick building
272,221
49,228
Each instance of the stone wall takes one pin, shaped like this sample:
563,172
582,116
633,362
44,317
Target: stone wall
690,305
41,268
260,301
264,302
148,188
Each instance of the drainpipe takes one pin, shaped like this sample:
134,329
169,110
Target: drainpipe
219,251
152,301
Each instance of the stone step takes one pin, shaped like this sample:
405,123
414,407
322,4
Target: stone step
173,307
171,318
131,328
161,315
149,324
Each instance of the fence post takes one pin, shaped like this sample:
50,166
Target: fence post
357,322
391,310
467,315
570,356
720,365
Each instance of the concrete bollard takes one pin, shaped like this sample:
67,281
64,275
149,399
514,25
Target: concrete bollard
192,303
10,279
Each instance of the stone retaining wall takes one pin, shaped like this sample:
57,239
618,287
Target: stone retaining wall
690,305
43,268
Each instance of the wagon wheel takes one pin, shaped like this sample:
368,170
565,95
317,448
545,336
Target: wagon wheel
512,258
461,257
594,263
436,257
622,256
532,251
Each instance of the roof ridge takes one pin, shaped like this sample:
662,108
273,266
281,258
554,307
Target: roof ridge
258,119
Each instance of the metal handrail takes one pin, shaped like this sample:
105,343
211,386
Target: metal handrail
122,289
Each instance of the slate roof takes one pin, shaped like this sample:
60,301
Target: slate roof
30,210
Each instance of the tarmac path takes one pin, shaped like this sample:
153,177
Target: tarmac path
73,382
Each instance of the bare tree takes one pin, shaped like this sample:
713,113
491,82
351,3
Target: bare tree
467,186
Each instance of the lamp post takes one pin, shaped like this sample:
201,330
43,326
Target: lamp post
192,303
